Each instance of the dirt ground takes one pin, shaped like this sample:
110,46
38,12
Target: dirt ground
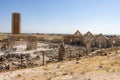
93,68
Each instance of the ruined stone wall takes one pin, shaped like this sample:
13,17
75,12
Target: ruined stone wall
100,41
30,40
114,41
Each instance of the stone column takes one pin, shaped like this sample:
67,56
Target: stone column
61,52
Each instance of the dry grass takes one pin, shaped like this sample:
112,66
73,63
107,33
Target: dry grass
45,36
94,64
18,75
50,37
2,36
54,71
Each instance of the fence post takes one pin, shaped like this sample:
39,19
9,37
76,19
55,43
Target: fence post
70,55
21,60
43,57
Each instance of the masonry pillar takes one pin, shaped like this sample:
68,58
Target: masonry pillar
15,23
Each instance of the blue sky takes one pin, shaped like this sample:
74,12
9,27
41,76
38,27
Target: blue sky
62,16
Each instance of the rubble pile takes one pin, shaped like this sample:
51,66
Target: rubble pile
12,61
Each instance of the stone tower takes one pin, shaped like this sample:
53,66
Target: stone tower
15,23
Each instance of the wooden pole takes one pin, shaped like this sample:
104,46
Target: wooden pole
43,57
70,55
21,59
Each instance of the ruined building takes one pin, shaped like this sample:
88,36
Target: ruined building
90,41
114,41
75,39
18,39
100,41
